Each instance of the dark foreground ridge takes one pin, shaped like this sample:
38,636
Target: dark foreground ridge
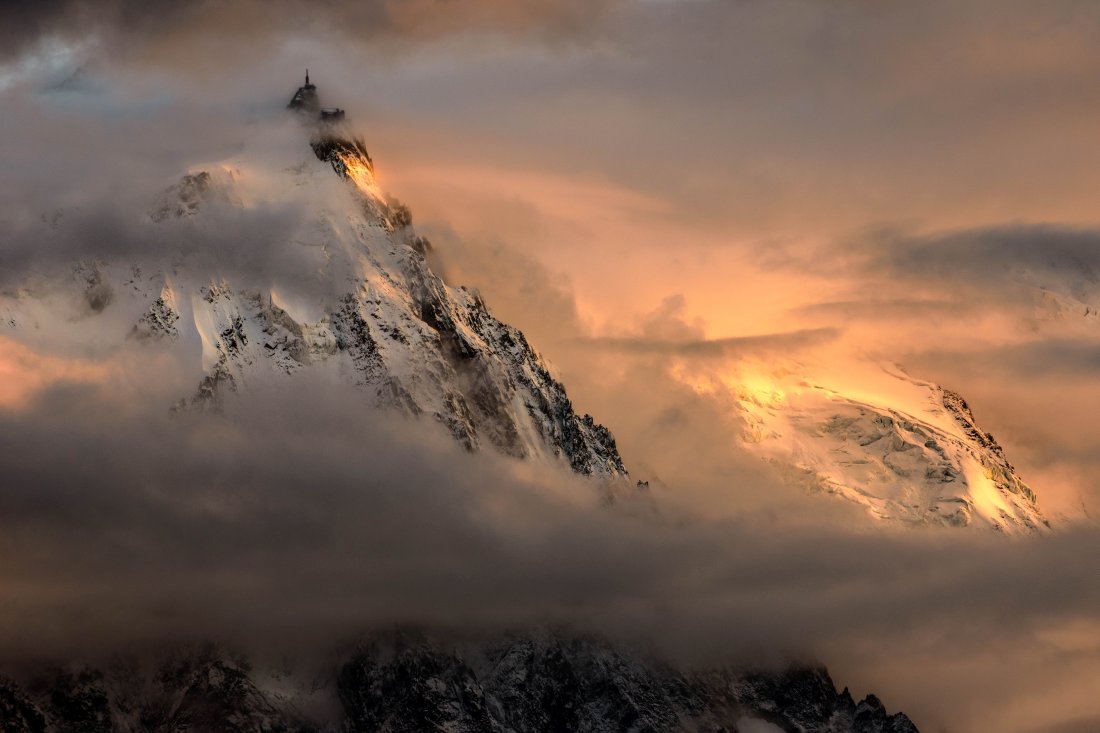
408,683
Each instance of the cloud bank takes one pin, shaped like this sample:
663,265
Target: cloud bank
300,519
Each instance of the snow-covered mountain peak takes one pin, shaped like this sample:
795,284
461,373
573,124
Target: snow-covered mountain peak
288,257
906,450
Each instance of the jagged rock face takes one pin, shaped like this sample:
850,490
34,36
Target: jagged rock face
159,321
418,344
337,150
196,692
991,456
523,686
806,700
187,195
408,683
540,684
366,308
906,450
18,714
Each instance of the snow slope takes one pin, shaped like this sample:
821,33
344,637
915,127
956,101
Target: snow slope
906,450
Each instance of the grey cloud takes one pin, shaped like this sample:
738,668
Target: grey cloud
305,519
1081,725
749,109
874,308
516,286
757,114
995,253
715,348
128,25
1049,358
957,274
255,244
86,177
666,331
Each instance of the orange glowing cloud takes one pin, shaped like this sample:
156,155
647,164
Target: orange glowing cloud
25,373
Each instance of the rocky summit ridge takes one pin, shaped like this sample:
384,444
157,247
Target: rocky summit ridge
364,306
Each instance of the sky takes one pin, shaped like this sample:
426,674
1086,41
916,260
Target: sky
802,181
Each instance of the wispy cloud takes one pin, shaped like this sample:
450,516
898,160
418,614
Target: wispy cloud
713,348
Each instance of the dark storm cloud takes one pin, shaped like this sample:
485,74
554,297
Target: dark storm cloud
303,518
1049,254
1034,272
126,24
25,22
